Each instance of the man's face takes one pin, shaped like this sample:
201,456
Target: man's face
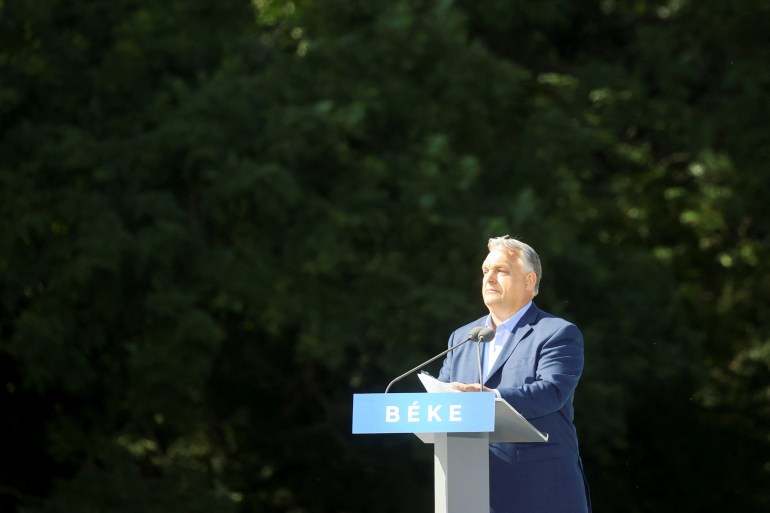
506,288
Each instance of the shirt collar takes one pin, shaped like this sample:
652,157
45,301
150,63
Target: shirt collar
510,323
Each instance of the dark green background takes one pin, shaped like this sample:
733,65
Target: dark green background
221,219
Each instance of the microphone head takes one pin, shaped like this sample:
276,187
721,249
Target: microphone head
486,334
473,334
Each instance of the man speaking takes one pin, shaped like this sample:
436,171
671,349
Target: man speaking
534,362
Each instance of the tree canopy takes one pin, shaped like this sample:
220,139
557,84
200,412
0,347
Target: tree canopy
222,219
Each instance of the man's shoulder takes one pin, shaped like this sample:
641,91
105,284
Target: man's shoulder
541,318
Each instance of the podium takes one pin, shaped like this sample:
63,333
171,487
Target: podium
460,426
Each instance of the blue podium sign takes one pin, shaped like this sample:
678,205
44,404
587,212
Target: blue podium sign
457,412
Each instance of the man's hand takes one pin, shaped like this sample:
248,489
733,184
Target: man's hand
468,387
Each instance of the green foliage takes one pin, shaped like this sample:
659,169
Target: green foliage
220,220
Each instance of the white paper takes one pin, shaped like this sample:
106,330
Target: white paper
431,384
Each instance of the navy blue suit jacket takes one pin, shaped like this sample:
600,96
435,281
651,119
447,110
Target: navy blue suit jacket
537,372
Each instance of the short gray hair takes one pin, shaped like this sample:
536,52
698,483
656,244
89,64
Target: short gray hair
528,256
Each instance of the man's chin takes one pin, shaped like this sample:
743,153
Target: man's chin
491,299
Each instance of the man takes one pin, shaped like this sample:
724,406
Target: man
534,362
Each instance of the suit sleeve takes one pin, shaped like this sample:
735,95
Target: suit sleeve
558,367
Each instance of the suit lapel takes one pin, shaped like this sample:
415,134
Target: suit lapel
523,328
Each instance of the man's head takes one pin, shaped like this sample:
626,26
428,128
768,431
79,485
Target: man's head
512,275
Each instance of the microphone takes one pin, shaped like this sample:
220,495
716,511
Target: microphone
484,335
472,335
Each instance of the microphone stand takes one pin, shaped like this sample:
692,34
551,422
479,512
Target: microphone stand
473,335
485,335
478,355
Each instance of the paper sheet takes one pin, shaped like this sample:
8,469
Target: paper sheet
431,384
